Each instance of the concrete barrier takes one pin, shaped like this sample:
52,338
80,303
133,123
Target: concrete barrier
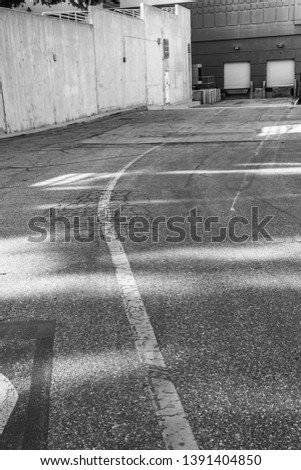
55,70
210,96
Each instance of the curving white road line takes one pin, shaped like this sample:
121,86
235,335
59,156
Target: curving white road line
176,430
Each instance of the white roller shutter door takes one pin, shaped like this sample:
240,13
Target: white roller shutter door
280,73
237,75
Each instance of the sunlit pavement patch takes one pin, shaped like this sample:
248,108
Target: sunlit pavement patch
27,361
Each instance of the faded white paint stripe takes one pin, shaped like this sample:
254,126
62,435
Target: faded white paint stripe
8,400
176,430
259,171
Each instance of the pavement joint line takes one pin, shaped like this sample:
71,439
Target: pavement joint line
176,431
193,142
236,107
256,153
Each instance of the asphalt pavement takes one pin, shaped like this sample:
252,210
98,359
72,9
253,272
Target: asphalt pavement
208,216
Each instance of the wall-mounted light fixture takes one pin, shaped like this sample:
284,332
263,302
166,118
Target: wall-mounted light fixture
236,48
280,45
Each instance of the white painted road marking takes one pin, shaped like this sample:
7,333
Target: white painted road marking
256,153
176,430
8,400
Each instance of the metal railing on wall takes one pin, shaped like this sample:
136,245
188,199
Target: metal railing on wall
133,12
79,16
171,10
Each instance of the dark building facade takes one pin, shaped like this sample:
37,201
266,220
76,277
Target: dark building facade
241,40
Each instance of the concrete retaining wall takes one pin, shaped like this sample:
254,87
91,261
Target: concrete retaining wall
48,70
160,25
2,118
120,60
55,70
